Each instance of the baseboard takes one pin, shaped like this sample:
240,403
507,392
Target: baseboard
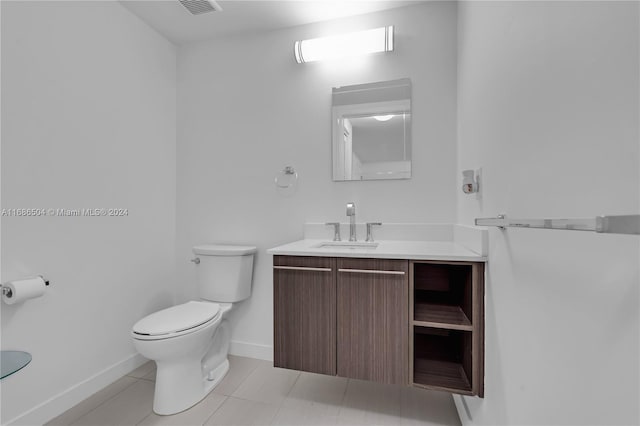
463,410
251,350
60,403
66,399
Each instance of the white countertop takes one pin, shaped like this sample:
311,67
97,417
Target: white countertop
386,249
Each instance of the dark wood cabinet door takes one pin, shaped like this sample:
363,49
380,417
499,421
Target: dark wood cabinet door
373,320
304,298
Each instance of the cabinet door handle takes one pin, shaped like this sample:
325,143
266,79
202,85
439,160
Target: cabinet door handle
371,271
302,268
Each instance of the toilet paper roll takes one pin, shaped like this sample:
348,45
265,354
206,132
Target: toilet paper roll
21,290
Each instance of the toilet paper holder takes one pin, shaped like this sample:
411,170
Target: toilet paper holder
6,291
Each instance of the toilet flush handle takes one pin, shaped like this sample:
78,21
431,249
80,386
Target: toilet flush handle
196,260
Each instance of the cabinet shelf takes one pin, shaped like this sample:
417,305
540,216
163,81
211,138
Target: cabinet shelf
444,375
442,359
441,316
447,327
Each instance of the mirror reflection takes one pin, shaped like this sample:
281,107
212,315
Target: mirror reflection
372,131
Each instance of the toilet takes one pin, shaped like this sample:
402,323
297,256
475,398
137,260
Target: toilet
190,342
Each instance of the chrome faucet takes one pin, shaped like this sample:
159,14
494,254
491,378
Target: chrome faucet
336,230
369,233
351,212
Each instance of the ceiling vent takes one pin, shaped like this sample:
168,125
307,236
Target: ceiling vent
198,7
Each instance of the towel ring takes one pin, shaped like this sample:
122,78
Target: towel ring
288,173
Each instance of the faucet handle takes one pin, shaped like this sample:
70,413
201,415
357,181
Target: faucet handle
369,233
336,230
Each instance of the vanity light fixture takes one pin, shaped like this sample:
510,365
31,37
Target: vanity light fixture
383,117
344,45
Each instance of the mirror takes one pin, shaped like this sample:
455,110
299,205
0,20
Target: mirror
372,131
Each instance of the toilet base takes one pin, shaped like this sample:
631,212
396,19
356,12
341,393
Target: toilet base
216,376
168,404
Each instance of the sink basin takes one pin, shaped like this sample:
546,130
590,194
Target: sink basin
346,245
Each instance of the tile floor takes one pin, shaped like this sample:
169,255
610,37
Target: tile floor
255,393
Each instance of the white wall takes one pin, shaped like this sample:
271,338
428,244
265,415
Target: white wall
548,107
88,121
246,109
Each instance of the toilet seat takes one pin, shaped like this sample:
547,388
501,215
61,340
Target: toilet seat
176,321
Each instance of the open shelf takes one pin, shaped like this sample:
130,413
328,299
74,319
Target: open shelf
441,316
440,374
446,326
442,359
442,296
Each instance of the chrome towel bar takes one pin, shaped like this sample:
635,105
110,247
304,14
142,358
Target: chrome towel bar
626,224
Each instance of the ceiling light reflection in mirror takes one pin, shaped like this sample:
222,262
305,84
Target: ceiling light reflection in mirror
372,131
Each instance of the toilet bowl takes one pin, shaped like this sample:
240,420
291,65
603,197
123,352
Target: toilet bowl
190,342
181,342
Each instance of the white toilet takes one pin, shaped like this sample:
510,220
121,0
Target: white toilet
190,342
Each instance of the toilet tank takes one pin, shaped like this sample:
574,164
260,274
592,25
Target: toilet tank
225,272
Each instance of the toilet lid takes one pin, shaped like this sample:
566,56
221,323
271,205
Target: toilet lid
177,318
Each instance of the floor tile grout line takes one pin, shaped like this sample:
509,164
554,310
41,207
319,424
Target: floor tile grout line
294,384
250,400
145,417
136,377
285,397
344,396
246,400
226,398
103,402
231,392
277,406
255,367
339,406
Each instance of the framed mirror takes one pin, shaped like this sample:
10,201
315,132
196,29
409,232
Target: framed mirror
372,131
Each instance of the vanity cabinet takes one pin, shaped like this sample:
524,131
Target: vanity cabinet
412,322
372,319
304,305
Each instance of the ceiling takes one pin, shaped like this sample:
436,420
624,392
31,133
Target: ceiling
174,22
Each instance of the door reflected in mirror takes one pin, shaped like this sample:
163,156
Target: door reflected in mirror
372,131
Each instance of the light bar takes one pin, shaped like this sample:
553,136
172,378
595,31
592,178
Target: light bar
344,45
